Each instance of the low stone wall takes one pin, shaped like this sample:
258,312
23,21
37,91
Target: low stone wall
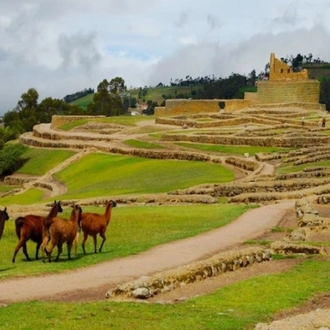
266,189
60,135
175,107
58,121
285,248
147,287
16,180
245,164
297,142
303,105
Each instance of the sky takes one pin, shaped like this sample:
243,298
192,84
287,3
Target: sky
60,47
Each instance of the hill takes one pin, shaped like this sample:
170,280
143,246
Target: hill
160,94
318,70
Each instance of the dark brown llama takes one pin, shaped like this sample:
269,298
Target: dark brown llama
3,218
33,227
63,231
93,224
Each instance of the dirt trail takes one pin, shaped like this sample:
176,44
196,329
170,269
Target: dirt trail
85,281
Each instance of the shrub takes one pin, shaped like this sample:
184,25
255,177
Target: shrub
10,158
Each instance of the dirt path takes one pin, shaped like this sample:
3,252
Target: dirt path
94,281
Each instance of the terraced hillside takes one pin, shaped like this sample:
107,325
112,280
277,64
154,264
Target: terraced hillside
274,157
287,160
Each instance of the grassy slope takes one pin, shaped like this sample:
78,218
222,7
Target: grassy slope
151,225
238,306
155,94
233,307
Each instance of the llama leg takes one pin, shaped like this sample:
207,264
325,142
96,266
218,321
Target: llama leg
37,250
83,242
25,251
44,244
95,242
50,250
104,239
59,251
19,245
75,242
69,246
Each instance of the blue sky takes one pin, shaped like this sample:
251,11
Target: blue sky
63,46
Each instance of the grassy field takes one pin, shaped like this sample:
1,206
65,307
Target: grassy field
155,94
38,161
290,168
151,225
118,175
236,150
238,306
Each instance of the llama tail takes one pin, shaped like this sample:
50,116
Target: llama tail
47,223
19,222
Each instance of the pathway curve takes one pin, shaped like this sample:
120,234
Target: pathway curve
167,256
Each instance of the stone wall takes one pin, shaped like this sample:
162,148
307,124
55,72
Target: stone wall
279,70
301,91
189,107
252,97
149,286
290,142
58,121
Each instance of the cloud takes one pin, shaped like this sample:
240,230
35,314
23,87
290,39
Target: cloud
205,59
79,50
60,47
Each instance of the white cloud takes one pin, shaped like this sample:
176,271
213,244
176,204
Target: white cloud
60,46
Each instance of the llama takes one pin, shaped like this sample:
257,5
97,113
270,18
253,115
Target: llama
33,227
3,218
63,231
94,223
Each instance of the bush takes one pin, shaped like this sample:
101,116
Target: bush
10,158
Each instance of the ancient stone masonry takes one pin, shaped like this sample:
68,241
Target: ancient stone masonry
279,70
149,286
184,106
286,86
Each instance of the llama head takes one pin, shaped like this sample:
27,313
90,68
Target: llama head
5,214
112,203
59,206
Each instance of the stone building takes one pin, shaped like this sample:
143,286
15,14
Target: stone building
284,88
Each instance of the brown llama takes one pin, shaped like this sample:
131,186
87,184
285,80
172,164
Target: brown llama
94,223
3,218
63,231
33,227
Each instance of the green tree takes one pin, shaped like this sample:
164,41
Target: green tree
325,92
11,158
108,100
29,100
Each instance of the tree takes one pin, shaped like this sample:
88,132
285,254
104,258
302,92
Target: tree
325,92
252,78
117,85
108,100
29,99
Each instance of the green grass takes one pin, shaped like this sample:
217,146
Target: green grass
142,144
30,196
84,101
39,161
5,188
239,306
131,230
118,175
238,150
121,120
291,168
